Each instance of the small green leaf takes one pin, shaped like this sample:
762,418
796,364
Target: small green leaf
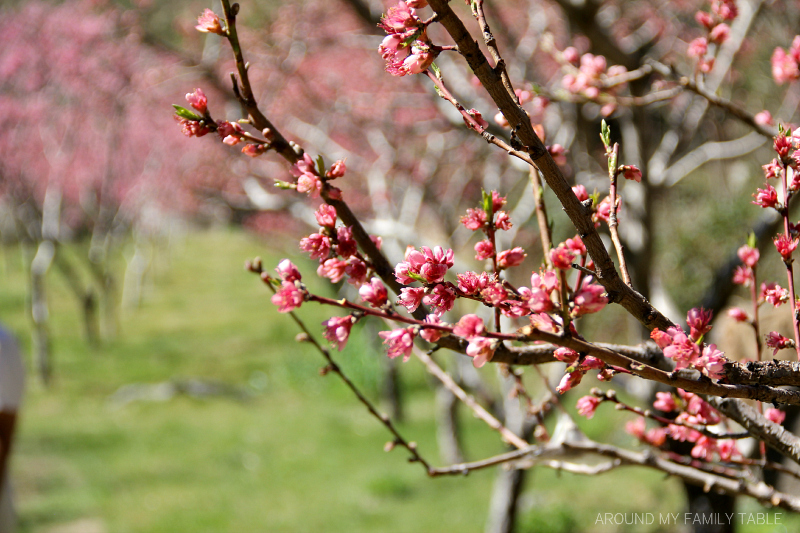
437,73
488,205
605,134
320,165
185,113
284,185
751,240
414,275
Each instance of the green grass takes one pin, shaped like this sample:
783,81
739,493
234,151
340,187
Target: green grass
301,454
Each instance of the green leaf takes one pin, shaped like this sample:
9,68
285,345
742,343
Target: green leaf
605,134
185,113
414,275
751,240
488,206
437,73
320,165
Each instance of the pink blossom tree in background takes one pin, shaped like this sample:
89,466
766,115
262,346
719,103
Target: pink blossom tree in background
84,161
668,78
508,185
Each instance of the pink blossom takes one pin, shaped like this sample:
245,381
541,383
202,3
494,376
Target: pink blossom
778,341
704,19
333,269
589,299
399,341
431,334
587,405
304,165
500,120
562,257
576,245
511,258
774,294
288,298
726,9
544,322
784,67
255,150
494,293
317,245
748,255
192,128
441,298
399,19
704,448
580,192
523,96
345,243
558,153
656,436
592,363
484,250
309,183
497,201
471,283
288,271
727,449
481,122
420,59
469,326
569,381
198,100
603,210
326,215
763,118
535,300
766,197
356,270
502,221
661,338
775,415
699,322
713,361
411,297
785,245
337,170
665,401
337,330
636,427
481,349
571,55
430,265
565,355
631,172
743,275
738,314
782,145
374,293
475,219
719,34
230,132
208,22
698,47
682,350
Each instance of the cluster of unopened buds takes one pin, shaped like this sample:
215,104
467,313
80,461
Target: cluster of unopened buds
589,76
717,31
686,418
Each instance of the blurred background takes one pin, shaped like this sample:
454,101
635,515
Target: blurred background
164,391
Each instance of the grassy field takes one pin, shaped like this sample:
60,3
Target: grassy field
298,454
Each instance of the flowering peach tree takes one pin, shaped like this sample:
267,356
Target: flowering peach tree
671,62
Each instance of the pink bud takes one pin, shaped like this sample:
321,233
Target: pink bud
208,22
198,100
587,405
510,258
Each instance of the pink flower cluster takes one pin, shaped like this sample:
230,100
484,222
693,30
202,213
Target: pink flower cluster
786,64
480,348
587,75
686,350
291,294
406,49
578,366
